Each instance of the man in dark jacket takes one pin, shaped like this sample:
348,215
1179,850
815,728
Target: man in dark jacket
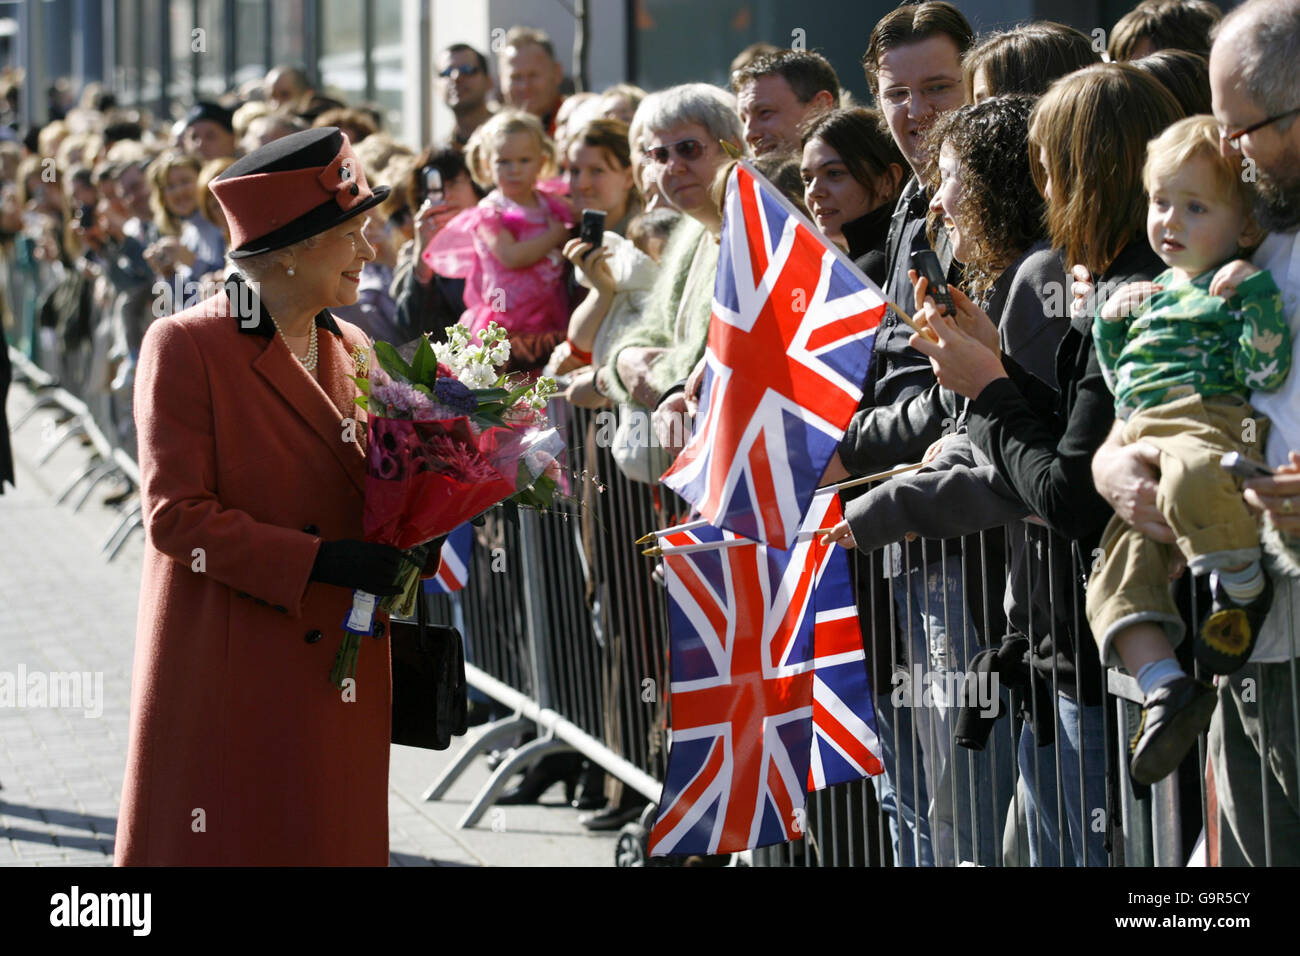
913,66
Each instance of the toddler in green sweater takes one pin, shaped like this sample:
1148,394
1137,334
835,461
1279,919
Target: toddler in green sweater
1182,354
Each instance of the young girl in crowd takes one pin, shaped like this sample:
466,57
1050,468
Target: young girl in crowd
1181,355
184,241
507,248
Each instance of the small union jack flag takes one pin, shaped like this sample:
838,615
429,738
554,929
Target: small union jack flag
453,572
769,692
789,347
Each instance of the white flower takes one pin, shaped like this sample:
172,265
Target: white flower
541,392
477,375
457,336
447,355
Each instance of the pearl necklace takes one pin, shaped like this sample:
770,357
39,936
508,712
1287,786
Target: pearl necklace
309,363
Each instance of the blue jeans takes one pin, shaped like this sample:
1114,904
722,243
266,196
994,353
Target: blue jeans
1085,825
964,793
894,787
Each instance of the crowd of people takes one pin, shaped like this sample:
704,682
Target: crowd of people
1119,236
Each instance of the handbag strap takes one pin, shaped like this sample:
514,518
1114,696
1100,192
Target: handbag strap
421,613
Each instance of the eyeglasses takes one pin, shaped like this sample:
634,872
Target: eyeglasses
451,71
1234,139
687,149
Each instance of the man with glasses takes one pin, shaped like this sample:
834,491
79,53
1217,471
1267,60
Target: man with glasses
1255,82
913,67
464,84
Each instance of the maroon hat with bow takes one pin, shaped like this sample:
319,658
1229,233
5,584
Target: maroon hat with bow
293,187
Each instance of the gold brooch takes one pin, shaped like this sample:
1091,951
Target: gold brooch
361,359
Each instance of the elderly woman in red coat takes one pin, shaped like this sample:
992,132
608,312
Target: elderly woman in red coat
252,457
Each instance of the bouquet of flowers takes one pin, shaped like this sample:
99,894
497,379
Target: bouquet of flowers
448,438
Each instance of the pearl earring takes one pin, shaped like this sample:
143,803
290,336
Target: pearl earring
290,270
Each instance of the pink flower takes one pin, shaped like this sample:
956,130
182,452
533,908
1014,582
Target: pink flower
455,458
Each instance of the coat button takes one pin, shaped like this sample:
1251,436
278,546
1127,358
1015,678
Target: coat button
311,529
355,190
379,629
313,636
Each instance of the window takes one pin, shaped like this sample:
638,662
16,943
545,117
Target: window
342,61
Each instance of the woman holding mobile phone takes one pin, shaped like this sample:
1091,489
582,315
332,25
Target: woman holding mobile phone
598,164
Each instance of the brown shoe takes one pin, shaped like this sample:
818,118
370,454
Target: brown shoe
1172,718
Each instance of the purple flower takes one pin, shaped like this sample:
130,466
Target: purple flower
455,395
402,400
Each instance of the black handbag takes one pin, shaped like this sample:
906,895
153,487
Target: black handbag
430,694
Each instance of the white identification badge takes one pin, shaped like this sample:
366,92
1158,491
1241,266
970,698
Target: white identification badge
362,616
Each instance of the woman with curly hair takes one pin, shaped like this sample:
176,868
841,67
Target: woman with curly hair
985,200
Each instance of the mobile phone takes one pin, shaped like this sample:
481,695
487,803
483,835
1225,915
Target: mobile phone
433,191
1243,467
592,230
926,264
86,216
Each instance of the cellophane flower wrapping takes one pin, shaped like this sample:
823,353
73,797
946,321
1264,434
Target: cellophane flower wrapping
424,478
442,450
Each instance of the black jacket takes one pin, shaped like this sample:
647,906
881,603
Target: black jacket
1042,441
867,237
881,437
897,370
426,307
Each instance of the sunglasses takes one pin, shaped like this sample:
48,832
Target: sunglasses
687,149
451,71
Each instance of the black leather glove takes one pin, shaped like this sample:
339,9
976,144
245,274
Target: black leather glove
359,564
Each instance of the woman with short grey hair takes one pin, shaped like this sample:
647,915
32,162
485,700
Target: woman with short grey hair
679,132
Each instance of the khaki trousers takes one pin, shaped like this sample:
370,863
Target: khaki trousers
1201,502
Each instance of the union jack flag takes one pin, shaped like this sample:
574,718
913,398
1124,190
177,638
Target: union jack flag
789,347
769,690
453,572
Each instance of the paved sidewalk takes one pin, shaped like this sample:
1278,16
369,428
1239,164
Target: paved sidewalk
64,608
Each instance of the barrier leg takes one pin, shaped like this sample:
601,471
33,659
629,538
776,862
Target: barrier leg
122,530
43,401
94,483
521,759
71,485
481,743
72,429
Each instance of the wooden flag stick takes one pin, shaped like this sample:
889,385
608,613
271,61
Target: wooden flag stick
688,526
907,320
879,476
692,548
852,483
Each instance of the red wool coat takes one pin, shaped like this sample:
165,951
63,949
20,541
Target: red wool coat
241,752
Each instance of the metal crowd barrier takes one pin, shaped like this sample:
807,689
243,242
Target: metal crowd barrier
107,460
572,641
